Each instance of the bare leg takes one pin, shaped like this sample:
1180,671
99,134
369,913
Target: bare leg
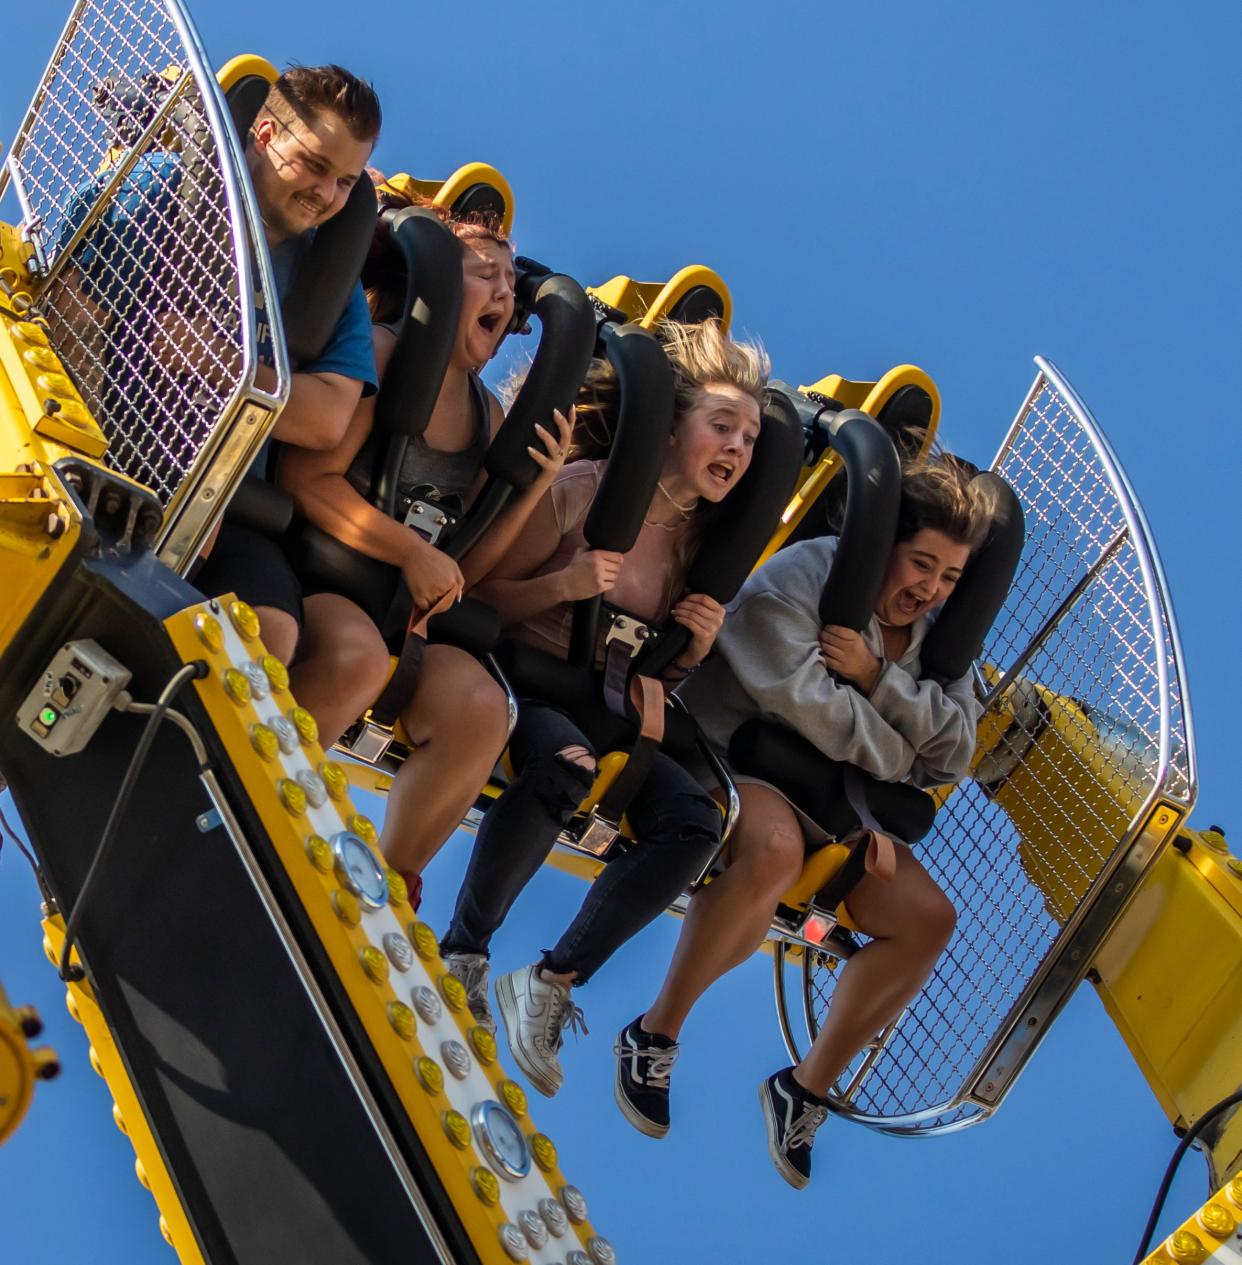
342,664
279,631
457,720
728,918
911,921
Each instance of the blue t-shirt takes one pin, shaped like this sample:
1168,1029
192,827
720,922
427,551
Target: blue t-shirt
124,259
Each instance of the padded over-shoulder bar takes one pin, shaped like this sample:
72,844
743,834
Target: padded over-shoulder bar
639,446
873,476
420,357
327,274
566,343
955,640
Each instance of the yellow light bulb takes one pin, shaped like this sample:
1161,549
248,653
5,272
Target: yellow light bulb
1216,1220
457,1127
347,908
320,852
514,1097
544,1151
305,724
335,779
236,686
483,1044
244,619
276,672
292,795
1185,1248
209,631
429,1074
41,358
264,741
363,827
402,1019
29,332
374,963
454,991
398,891
425,943
486,1185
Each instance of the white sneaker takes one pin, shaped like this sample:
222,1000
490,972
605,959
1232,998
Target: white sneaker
536,1014
471,969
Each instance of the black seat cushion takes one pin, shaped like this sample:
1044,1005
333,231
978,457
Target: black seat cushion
816,784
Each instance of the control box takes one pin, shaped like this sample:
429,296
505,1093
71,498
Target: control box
73,695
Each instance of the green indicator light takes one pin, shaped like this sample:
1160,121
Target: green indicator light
49,716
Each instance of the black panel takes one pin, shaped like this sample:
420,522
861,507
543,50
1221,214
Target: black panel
272,1151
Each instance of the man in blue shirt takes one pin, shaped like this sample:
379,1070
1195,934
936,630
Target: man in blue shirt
309,145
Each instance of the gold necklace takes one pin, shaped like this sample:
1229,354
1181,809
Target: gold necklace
684,510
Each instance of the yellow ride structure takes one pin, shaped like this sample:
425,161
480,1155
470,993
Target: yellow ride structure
252,978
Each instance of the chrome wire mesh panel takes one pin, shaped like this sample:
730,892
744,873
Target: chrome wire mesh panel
131,191
1087,729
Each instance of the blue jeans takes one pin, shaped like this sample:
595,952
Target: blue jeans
676,822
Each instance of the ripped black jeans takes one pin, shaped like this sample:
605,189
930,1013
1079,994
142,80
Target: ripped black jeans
676,822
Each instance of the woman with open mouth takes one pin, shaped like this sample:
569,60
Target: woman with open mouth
859,699
719,389
457,717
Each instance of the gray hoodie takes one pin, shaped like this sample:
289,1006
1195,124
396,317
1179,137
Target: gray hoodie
767,664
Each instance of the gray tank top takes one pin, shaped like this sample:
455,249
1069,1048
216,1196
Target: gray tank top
427,473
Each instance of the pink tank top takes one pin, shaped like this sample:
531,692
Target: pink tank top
651,576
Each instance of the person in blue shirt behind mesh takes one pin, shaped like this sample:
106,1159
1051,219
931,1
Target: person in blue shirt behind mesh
309,145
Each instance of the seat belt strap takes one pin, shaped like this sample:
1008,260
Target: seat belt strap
647,699
401,685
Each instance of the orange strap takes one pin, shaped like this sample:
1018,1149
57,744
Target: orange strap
881,859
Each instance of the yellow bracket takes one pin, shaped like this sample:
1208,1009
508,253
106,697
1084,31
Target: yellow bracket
20,1066
245,64
445,193
649,302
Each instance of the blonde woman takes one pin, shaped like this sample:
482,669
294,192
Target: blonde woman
717,417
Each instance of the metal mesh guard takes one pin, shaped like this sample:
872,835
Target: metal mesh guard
1095,729
118,140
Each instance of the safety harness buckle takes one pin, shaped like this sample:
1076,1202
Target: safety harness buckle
430,520
598,834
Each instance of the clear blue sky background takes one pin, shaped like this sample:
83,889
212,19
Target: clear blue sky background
961,185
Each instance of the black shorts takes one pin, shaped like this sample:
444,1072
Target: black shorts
253,566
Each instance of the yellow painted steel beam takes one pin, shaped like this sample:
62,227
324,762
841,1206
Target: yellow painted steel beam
1170,977
1209,1235
127,1111
224,634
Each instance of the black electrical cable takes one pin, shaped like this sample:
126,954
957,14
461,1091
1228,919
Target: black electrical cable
162,705
1182,1147
6,829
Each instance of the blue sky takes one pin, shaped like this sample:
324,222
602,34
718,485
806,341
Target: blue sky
960,185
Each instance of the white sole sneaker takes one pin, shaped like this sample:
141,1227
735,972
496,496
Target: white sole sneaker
533,1066
779,1160
636,1118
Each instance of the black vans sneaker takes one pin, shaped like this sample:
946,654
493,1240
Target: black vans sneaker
644,1062
792,1114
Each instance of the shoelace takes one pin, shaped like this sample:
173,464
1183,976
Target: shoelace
476,986
802,1131
659,1062
563,1013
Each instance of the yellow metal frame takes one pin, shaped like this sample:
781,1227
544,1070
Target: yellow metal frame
127,1111
20,1066
343,943
649,302
1205,1232
444,193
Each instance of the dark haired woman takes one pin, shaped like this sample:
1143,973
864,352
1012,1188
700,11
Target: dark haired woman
859,699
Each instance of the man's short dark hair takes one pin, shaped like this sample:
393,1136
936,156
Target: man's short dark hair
309,90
